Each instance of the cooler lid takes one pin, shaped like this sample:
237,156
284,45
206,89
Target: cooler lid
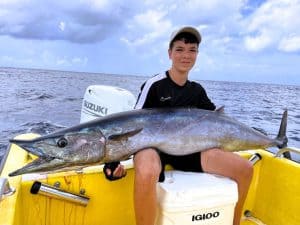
188,189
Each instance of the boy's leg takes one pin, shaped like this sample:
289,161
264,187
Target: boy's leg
147,167
230,165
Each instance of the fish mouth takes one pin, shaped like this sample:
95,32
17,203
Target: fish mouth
43,163
29,146
37,165
55,157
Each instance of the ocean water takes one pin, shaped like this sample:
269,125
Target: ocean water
43,101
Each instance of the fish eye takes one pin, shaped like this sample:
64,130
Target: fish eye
62,142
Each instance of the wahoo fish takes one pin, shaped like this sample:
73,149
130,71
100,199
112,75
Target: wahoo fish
115,137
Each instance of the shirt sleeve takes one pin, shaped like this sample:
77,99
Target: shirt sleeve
204,101
146,98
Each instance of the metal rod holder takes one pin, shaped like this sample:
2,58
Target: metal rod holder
53,192
255,158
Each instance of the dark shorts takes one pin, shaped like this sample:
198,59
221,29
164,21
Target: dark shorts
191,163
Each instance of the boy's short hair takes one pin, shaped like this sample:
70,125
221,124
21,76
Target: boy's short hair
186,34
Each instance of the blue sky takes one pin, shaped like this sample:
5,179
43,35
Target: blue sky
251,41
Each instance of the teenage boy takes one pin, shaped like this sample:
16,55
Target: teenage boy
173,89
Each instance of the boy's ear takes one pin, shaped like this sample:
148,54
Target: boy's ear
169,52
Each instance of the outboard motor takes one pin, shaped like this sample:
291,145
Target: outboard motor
101,100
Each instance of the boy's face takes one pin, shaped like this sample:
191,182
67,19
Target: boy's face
183,55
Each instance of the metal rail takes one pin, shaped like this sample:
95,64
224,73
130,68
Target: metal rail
287,149
4,158
5,188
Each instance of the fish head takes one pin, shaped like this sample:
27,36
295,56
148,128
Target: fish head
63,151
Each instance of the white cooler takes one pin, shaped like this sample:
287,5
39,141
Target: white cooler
196,198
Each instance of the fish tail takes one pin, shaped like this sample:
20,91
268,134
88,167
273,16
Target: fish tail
281,136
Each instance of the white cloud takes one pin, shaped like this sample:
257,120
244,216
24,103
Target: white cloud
290,44
88,21
271,25
92,21
145,22
146,28
202,12
60,35
62,26
63,62
258,42
71,61
51,58
6,59
14,61
80,61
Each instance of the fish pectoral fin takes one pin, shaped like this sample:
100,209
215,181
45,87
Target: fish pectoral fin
260,130
126,135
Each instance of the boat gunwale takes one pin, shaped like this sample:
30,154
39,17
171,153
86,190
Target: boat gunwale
4,158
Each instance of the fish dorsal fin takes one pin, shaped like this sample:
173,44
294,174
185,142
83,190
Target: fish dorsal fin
121,136
221,109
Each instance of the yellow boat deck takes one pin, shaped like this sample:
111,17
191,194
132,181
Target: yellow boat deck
273,199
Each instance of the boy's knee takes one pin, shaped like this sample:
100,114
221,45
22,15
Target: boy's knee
148,174
247,167
147,167
245,171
